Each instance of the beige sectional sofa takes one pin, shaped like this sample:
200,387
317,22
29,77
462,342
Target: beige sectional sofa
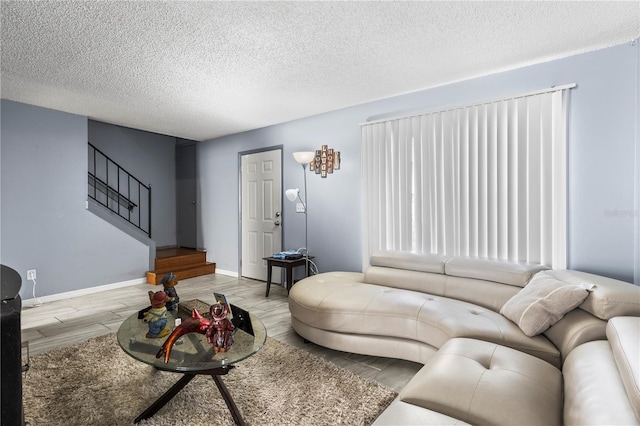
495,340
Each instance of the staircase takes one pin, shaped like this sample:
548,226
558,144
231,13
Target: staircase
184,263
113,187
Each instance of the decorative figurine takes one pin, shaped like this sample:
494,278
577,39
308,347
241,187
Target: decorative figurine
156,317
219,331
169,283
194,324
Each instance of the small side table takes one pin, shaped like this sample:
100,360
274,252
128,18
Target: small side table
288,264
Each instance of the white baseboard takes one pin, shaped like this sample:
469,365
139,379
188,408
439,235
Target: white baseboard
228,273
82,292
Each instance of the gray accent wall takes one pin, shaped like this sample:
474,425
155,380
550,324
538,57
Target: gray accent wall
602,164
45,224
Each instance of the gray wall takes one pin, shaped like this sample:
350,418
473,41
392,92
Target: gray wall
602,162
44,222
150,157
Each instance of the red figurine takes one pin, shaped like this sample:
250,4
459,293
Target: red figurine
219,331
195,324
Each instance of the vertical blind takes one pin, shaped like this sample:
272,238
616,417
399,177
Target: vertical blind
486,180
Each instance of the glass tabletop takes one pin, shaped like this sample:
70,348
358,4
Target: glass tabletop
192,352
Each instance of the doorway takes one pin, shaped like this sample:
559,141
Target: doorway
186,192
261,211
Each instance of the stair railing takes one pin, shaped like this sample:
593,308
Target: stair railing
118,190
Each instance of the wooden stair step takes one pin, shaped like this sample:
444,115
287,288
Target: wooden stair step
181,273
180,261
183,262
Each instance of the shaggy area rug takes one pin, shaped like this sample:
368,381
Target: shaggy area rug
96,383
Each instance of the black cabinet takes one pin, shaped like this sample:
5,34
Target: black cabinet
10,351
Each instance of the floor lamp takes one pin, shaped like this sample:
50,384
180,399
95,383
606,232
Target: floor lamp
303,158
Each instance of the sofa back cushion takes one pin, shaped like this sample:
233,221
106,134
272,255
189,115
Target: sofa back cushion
486,282
487,294
607,298
421,262
500,271
406,279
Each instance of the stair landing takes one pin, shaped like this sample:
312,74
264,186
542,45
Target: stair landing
184,263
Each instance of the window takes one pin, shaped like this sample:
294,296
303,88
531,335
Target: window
486,180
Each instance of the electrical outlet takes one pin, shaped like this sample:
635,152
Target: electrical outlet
31,274
299,208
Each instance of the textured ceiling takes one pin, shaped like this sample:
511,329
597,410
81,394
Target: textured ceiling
200,70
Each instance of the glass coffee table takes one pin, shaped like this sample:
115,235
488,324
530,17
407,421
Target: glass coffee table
191,355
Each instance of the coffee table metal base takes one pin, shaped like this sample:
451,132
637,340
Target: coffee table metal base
186,378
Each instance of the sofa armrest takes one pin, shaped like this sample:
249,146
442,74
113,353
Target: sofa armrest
623,334
593,390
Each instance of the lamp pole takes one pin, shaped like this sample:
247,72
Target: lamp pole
306,228
303,158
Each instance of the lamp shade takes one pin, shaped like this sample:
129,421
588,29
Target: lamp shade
292,194
304,157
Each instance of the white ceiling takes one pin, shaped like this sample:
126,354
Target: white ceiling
200,70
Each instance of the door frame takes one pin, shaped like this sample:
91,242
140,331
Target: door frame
240,155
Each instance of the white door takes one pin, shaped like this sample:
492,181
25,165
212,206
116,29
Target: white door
261,212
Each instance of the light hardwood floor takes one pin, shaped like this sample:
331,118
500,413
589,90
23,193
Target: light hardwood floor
64,322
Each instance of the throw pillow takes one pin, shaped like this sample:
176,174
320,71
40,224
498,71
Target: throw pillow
542,303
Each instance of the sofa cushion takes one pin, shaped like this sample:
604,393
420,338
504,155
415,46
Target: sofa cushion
423,262
542,303
484,383
574,329
489,294
336,301
425,282
441,319
608,298
500,271
623,334
341,303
